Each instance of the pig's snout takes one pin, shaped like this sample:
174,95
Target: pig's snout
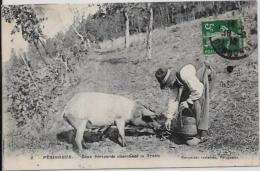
155,125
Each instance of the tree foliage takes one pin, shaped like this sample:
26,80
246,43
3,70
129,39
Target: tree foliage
32,87
109,21
26,22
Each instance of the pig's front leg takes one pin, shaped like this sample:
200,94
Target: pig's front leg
120,123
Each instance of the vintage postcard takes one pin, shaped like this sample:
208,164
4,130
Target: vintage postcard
130,85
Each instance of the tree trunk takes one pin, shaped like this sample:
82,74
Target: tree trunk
160,16
139,26
133,24
47,53
29,70
89,44
167,15
38,50
85,44
149,32
127,43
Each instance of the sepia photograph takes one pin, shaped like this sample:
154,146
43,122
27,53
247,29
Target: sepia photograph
101,85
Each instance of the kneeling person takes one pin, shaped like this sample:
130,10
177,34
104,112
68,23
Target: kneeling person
190,90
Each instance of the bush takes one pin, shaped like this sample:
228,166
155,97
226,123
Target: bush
32,93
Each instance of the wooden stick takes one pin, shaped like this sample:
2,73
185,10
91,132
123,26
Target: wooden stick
26,64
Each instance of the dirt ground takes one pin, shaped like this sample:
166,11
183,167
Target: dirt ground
234,119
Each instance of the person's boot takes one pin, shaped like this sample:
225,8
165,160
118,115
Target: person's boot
201,137
194,141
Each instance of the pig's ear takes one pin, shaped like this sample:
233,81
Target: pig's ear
137,111
148,113
149,108
162,116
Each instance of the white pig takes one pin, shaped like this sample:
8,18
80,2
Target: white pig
100,109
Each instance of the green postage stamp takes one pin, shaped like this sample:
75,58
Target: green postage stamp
223,36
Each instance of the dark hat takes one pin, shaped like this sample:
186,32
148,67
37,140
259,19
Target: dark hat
165,77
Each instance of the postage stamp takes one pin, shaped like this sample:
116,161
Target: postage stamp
230,33
127,85
226,38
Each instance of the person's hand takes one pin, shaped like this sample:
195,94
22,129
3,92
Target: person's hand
168,124
184,105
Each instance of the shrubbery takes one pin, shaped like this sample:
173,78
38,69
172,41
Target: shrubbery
31,90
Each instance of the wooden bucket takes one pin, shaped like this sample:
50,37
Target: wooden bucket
186,126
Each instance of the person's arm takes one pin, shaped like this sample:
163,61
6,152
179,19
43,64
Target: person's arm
173,105
172,109
188,74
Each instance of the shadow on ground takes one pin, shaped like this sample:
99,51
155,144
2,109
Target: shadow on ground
111,133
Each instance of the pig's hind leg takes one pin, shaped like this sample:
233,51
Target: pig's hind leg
79,135
72,121
120,123
79,126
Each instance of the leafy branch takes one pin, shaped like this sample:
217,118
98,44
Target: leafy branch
26,22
